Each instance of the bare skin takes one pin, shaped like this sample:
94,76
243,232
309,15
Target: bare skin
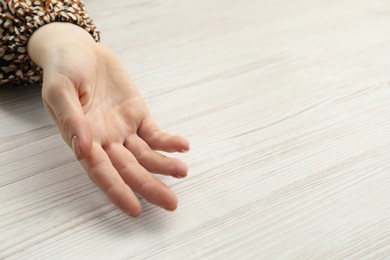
102,116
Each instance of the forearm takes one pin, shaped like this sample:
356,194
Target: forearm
48,39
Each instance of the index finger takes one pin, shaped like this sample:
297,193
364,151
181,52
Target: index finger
106,177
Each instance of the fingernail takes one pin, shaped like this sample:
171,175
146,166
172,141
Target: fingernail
76,147
178,176
184,150
169,209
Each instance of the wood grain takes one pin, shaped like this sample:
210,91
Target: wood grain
286,105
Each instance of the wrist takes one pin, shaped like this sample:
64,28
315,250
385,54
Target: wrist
53,37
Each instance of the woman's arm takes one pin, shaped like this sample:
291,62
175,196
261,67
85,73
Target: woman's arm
19,19
101,115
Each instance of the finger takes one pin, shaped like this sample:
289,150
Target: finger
159,140
139,179
62,101
103,174
154,161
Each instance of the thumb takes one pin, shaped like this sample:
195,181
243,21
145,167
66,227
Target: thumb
61,99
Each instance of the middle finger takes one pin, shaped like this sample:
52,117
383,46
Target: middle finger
139,179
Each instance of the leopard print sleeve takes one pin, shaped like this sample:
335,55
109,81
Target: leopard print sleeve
19,19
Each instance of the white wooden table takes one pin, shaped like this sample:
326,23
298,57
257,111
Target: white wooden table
286,105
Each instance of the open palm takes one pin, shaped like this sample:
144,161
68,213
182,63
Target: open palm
103,117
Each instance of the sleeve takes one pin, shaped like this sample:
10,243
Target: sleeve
18,21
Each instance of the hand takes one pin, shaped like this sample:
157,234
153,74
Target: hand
100,113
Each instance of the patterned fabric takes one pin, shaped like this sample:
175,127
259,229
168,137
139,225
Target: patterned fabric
19,19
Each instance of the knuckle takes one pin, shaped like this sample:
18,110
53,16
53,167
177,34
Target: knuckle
142,156
64,123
